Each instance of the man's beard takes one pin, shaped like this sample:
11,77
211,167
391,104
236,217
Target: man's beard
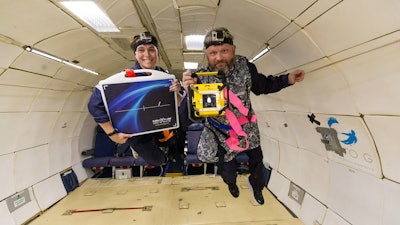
229,66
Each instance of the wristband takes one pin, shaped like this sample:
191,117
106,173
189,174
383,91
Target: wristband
112,133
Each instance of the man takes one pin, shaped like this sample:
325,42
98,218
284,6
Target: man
225,136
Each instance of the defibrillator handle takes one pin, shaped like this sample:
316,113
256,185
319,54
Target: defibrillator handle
214,73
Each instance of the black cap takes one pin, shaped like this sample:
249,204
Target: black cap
143,38
218,36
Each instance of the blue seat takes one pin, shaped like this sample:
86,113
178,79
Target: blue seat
125,158
130,161
193,136
122,161
103,152
144,165
107,153
125,161
97,162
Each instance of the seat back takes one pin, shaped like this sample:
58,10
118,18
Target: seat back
193,137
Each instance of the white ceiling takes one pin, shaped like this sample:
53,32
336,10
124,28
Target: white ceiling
293,33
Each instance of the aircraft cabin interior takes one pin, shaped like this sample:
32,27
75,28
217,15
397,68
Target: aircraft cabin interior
330,143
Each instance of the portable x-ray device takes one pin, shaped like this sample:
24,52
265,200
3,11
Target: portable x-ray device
140,104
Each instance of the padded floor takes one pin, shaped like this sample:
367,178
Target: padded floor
195,199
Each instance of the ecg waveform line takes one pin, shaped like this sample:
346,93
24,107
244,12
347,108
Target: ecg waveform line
144,108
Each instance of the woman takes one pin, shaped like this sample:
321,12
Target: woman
145,49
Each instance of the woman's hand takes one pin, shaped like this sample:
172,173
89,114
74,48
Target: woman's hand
120,138
175,86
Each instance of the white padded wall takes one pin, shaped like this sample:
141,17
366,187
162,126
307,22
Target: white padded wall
261,103
11,123
275,125
75,151
61,85
306,50
60,155
332,218
312,211
60,148
31,166
66,124
391,192
49,100
278,184
26,211
356,196
270,149
81,172
323,97
49,191
385,131
305,169
15,99
8,53
70,73
373,71
5,216
87,131
7,175
268,65
21,78
77,101
353,29
37,129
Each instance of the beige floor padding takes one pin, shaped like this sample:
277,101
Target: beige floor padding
200,199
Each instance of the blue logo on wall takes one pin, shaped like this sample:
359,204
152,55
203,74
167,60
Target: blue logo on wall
331,121
351,136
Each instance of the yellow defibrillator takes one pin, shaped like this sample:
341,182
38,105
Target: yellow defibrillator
207,100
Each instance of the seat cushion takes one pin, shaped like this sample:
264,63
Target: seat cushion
122,161
97,162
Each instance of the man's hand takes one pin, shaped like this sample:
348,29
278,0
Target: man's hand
188,80
296,76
